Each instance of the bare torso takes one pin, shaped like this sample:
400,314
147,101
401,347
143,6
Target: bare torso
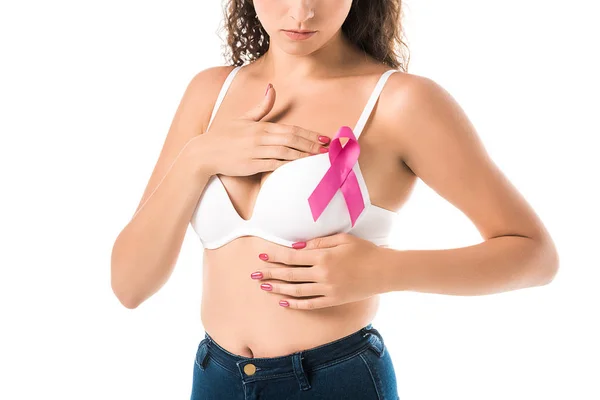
240,316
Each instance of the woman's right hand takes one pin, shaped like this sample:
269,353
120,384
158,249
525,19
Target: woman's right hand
247,146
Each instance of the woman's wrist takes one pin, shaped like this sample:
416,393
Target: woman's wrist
199,158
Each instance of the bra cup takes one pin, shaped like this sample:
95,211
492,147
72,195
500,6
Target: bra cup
214,216
282,207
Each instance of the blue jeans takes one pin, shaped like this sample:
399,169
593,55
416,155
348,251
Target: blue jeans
357,366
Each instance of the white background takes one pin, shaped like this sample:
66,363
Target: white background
87,93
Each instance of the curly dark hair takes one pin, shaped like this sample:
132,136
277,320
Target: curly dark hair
374,26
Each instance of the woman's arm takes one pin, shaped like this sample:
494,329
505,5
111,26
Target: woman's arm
146,250
440,145
497,265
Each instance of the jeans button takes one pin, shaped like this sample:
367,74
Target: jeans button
249,369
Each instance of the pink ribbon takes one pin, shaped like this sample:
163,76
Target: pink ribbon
339,176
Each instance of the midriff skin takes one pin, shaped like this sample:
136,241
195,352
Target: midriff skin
246,320
239,315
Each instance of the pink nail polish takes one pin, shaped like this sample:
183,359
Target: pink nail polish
323,150
299,245
263,256
323,139
256,275
266,286
284,303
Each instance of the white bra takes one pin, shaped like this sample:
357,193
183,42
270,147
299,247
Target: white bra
281,212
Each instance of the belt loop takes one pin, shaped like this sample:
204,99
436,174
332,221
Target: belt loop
202,354
365,329
380,351
299,371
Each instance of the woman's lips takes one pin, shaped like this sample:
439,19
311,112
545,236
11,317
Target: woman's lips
294,35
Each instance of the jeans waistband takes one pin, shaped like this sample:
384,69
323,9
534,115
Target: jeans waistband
292,364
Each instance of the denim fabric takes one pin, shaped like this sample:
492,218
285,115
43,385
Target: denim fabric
357,366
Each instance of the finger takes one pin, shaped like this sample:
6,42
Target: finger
278,152
290,274
286,140
295,289
314,137
291,256
327,241
263,107
307,304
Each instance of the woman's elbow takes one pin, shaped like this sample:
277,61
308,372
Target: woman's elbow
549,262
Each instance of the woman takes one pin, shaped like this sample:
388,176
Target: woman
295,260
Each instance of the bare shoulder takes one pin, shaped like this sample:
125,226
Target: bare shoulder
438,142
422,115
202,92
409,99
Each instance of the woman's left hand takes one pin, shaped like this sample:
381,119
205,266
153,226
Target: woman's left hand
339,269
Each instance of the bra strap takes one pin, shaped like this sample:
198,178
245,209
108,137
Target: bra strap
364,117
222,93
